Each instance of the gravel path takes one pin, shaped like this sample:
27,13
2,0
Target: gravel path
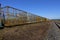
54,32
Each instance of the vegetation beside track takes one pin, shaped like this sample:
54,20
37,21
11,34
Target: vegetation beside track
24,32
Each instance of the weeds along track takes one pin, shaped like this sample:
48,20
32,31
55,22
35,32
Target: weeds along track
35,31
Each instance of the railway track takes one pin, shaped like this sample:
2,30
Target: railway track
21,24
58,25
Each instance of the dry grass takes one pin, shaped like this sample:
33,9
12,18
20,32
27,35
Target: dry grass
26,32
1,34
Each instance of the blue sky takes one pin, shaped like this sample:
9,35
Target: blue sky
45,8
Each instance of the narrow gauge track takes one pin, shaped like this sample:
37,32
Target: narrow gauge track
25,24
21,24
18,25
58,25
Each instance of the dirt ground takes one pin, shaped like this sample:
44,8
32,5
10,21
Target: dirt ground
37,31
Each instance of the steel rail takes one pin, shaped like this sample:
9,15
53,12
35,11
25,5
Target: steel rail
58,25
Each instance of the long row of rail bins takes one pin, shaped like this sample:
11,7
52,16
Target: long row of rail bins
13,16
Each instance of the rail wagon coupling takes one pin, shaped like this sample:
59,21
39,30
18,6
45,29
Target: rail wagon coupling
11,16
